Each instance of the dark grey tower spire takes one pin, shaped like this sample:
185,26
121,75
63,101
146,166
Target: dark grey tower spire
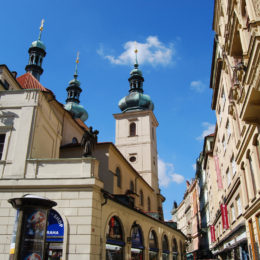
36,54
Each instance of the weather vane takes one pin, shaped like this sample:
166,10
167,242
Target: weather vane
136,51
41,29
77,62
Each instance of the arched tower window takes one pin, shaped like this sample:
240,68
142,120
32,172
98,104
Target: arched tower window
132,129
132,186
36,60
118,175
149,204
141,198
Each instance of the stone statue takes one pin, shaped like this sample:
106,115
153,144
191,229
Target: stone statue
88,141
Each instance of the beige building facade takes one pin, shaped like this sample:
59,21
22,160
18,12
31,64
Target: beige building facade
235,82
228,169
109,205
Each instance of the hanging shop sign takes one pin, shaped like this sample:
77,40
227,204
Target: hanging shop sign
224,214
212,232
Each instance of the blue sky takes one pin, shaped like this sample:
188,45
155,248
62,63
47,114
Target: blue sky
175,41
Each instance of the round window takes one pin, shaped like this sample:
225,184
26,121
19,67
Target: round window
132,159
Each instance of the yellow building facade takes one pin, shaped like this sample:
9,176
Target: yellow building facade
107,207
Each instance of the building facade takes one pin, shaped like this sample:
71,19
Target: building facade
188,220
228,168
109,204
235,82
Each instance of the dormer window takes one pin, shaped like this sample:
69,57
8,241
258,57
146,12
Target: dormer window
132,129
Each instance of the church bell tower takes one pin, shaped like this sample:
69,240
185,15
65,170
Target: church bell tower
136,129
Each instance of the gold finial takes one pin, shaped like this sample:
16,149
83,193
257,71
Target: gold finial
136,62
136,47
77,60
41,28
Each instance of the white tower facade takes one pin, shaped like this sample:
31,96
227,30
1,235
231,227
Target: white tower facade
136,140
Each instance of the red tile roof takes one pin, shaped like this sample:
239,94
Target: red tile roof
81,123
28,81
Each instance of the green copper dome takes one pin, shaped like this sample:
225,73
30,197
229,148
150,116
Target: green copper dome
136,100
38,44
77,110
72,102
136,71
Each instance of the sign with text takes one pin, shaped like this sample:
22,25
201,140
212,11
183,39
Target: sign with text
212,232
224,214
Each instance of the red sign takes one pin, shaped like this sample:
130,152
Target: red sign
219,179
224,214
212,232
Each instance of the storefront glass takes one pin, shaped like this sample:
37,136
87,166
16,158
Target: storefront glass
153,246
114,243
174,249
137,243
165,247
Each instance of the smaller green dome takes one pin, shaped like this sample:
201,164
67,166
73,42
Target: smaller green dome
77,110
136,71
38,44
74,81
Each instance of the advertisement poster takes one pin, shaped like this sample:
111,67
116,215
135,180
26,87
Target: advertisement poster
13,240
55,228
33,234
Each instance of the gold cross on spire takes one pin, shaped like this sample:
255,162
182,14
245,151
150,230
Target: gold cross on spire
136,51
41,28
77,60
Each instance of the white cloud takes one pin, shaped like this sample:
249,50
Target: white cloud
198,86
166,174
208,129
152,52
194,166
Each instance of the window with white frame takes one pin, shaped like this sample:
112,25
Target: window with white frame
223,99
224,143
228,129
228,176
239,208
233,213
234,165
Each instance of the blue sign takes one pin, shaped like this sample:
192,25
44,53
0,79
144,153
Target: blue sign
55,228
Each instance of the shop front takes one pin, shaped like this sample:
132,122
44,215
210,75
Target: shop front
54,236
137,246
114,240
